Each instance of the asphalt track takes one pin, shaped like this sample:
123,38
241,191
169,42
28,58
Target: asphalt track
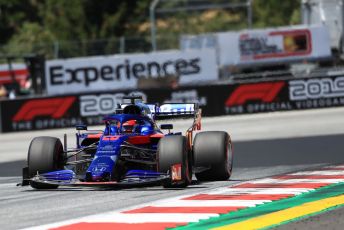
264,145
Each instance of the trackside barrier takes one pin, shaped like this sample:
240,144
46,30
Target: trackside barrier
279,95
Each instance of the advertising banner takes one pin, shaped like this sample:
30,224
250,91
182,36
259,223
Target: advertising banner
264,46
285,95
89,109
58,112
39,113
104,73
215,100
274,45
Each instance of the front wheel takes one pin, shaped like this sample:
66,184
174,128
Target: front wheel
213,150
45,155
172,151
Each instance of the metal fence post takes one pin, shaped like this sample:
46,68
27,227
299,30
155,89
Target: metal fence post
153,24
56,49
122,44
249,13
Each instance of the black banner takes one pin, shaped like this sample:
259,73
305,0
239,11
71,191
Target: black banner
285,95
39,113
69,110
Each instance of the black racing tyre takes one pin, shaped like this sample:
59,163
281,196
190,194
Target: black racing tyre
45,155
173,150
214,149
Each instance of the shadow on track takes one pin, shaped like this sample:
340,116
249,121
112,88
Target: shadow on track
262,153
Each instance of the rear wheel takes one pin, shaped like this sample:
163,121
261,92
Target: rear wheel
45,155
213,150
172,151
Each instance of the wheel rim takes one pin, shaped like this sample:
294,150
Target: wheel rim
229,159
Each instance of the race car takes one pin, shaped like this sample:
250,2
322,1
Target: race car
131,151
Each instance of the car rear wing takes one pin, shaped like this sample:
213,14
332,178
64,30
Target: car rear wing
178,110
173,110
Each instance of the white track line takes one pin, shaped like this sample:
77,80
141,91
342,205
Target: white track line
267,191
295,181
116,217
211,203
322,172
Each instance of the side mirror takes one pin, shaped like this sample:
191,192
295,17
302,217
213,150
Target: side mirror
81,127
166,126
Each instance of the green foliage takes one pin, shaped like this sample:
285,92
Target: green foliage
36,25
30,38
276,13
64,18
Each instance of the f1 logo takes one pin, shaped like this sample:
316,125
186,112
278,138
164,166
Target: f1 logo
266,92
53,107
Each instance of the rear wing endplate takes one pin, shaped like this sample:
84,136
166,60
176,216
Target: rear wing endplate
173,110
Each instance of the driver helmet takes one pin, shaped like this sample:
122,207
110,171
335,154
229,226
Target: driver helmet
128,126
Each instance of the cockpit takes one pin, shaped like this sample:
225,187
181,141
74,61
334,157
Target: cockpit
127,126
135,117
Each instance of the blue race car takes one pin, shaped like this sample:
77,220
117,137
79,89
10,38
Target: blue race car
132,151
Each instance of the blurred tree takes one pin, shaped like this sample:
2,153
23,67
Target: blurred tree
65,19
13,14
29,25
24,25
31,38
270,13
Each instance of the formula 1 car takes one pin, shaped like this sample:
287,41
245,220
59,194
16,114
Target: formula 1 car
132,151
